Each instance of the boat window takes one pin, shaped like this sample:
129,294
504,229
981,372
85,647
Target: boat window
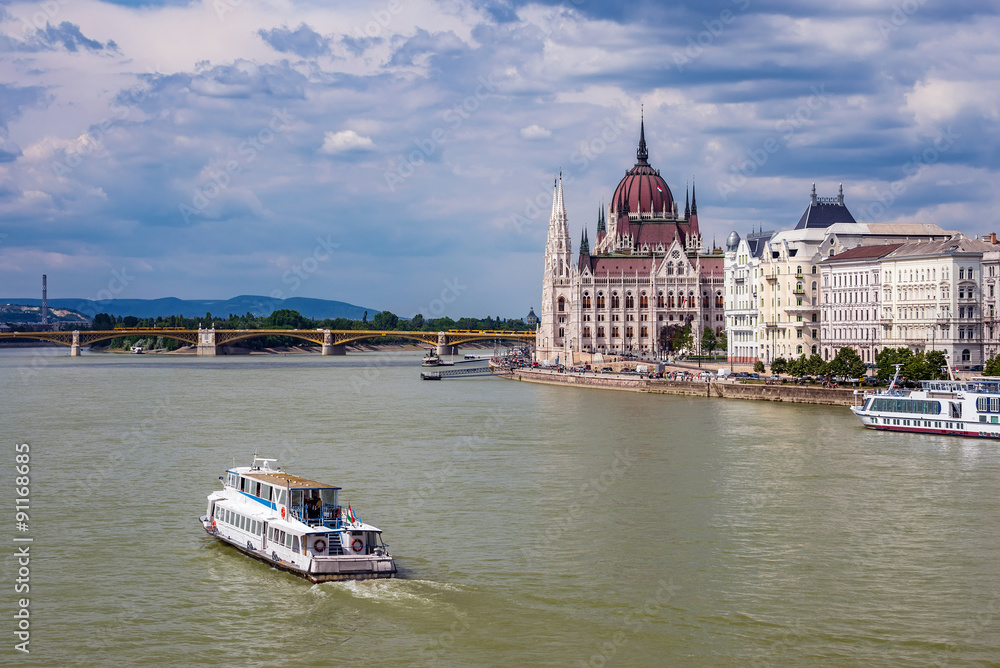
268,493
281,497
329,497
296,497
295,543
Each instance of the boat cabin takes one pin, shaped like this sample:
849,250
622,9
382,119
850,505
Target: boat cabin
312,503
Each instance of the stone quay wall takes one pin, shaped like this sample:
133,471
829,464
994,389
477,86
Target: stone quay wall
797,394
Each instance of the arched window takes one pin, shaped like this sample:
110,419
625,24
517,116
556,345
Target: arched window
670,268
966,355
643,300
814,285
629,300
562,305
615,301
670,300
600,300
659,300
586,300
814,350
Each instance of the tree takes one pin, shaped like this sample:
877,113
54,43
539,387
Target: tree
779,365
992,367
815,366
721,342
385,320
758,367
103,322
708,341
680,338
846,363
888,357
287,319
417,322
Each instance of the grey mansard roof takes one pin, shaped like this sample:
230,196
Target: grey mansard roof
823,212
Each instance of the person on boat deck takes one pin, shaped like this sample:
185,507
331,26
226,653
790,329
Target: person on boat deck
313,506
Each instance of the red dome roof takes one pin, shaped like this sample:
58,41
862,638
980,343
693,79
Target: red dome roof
643,189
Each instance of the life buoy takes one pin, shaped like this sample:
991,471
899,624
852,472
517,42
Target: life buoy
356,545
282,512
319,546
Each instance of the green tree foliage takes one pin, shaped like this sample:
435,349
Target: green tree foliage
385,320
815,366
708,341
992,367
758,367
287,319
103,322
888,357
681,338
779,365
721,342
846,363
417,322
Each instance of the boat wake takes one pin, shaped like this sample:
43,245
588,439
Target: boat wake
407,593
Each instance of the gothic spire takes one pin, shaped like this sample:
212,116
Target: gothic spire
584,243
600,219
694,200
687,203
642,154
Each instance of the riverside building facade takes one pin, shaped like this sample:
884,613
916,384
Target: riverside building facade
647,276
783,314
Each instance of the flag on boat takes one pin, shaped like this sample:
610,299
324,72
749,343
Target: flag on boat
350,514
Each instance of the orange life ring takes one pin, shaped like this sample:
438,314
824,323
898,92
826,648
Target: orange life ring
356,545
282,512
319,546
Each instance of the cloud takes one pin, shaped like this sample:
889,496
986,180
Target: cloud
344,141
475,107
534,132
303,41
66,35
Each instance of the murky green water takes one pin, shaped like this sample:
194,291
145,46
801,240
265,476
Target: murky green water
532,525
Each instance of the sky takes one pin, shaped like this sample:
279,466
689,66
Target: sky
400,154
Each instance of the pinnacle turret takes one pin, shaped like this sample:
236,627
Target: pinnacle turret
642,155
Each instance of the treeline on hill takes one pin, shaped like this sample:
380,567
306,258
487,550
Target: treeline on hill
288,319
921,365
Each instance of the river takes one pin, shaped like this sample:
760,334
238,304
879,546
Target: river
532,524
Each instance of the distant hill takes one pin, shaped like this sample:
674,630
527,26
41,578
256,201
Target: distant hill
316,309
26,313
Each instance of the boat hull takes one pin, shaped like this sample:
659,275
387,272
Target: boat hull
935,425
323,569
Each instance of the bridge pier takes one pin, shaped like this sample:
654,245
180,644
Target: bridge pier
74,349
206,342
443,347
329,347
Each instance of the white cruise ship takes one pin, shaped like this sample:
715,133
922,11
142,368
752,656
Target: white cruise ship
295,524
946,407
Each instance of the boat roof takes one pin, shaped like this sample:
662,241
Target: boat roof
282,479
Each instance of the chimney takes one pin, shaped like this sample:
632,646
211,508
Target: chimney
993,237
45,301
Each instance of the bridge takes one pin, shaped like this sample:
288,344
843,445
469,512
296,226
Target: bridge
333,341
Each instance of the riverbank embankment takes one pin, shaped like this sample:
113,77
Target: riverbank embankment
725,389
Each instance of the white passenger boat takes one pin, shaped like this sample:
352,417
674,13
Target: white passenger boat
947,407
296,525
